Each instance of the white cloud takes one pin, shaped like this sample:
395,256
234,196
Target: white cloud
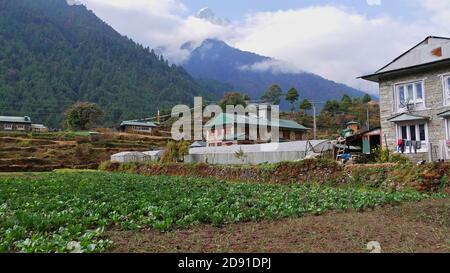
440,10
373,2
335,42
275,66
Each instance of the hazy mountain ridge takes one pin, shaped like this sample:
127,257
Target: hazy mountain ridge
251,73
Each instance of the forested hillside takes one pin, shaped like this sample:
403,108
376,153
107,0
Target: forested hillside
214,60
53,54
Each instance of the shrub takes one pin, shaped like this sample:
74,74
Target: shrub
175,152
399,158
83,151
382,155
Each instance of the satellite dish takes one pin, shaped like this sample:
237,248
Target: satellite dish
408,105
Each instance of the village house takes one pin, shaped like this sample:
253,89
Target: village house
139,127
15,124
415,101
222,130
39,128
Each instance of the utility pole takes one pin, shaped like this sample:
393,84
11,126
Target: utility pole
368,120
315,122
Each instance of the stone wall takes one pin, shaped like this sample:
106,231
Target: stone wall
429,177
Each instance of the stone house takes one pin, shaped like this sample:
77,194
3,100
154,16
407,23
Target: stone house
139,127
15,124
222,130
415,101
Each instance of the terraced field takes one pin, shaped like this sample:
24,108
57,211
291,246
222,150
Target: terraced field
49,151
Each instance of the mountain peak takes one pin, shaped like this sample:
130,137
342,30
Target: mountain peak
251,73
208,15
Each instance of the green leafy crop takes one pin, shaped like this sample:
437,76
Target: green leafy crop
69,212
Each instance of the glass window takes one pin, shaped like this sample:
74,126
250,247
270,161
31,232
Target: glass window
447,91
422,132
410,94
413,132
419,92
404,132
402,95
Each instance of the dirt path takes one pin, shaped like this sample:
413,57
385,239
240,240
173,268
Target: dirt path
415,227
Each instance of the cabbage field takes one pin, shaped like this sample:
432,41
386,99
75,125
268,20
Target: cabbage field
70,211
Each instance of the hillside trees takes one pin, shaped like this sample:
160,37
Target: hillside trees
292,96
273,94
305,105
233,98
53,55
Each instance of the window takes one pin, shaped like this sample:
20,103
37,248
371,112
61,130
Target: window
447,132
413,135
447,90
409,95
8,126
20,127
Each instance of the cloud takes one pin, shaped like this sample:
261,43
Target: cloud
208,15
440,10
275,66
373,2
158,24
336,42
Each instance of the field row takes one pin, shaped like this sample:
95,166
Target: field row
69,211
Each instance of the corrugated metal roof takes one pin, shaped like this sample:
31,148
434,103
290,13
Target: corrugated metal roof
15,119
432,50
154,153
228,119
407,117
128,154
38,126
138,123
296,146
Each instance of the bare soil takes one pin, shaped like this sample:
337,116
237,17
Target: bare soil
409,228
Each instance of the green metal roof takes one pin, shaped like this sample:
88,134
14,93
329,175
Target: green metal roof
138,123
407,117
15,119
226,119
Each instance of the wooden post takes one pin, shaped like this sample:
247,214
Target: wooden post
315,122
430,152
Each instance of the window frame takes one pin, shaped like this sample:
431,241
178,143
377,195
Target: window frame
420,103
447,128
416,124
20,127
446,89
8,126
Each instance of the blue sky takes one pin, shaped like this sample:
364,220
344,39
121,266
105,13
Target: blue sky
237,9
339,40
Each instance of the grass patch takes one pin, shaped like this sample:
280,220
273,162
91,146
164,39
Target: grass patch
68,211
